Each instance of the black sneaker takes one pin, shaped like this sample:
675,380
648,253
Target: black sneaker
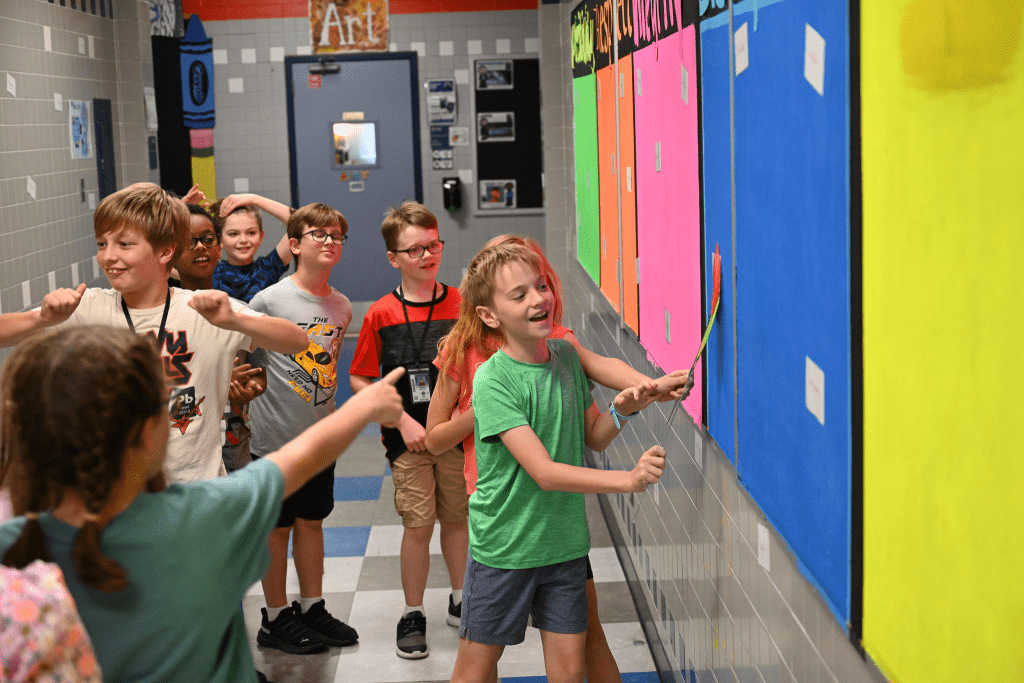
454,612
412,636
334,633
288,634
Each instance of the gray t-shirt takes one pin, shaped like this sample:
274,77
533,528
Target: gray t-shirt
300,387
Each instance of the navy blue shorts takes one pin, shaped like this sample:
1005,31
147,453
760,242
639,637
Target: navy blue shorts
497,602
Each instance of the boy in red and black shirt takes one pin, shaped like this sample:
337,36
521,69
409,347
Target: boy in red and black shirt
402,329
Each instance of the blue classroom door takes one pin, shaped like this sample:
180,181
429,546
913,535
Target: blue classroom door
353,135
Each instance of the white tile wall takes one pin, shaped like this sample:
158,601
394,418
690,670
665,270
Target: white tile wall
46,241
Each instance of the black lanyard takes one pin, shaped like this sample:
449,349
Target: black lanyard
163,321
408,325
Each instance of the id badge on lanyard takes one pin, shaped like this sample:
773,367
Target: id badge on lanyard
419,377
419,380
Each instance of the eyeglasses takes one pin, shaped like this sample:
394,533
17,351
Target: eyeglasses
434,247
321,236
209,240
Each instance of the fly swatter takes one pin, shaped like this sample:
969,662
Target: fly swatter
716,278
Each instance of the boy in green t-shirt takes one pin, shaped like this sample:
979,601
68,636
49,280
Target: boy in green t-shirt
528,535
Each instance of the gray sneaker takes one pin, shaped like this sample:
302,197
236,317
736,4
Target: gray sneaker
412,636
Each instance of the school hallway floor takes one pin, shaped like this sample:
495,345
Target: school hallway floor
363,588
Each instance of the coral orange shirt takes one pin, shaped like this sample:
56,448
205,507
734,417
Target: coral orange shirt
475,357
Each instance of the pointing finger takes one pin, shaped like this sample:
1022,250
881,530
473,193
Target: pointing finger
393,376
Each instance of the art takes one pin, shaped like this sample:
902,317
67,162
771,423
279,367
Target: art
792,286
348,25
668,206
805,150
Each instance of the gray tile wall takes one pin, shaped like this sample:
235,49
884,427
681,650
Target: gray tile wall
251,132
515,32
444,43
47,242
134,60
715,613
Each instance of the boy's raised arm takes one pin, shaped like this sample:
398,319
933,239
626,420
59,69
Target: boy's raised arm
194,196
617,374
57,307
284,251
273,334
524,445
274,208
14,327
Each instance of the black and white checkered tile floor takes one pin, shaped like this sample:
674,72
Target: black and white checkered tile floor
362,587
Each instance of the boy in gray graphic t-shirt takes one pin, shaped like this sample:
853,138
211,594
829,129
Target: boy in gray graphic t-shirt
300,391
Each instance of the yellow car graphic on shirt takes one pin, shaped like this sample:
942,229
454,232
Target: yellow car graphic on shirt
318,364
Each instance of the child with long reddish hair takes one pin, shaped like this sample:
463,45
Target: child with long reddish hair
528,531
461,352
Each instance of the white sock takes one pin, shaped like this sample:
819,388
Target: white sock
306,603
412,609
273,612
457,597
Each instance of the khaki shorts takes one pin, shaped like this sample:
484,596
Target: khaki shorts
429,487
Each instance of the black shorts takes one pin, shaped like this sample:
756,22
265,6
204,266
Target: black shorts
314,501
590,570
